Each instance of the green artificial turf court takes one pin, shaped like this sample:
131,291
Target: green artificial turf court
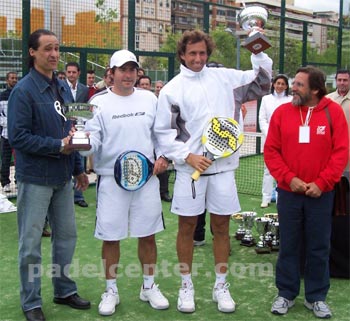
251,276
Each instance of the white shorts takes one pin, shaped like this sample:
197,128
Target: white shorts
120,212
216,193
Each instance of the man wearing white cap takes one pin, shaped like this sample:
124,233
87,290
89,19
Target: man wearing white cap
123,121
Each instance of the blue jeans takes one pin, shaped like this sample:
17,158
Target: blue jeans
34,202
304,221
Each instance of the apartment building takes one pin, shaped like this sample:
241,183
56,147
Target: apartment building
152,22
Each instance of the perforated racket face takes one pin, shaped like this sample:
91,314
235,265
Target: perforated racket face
132,170
222,136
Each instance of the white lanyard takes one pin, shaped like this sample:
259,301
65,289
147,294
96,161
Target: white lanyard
308,116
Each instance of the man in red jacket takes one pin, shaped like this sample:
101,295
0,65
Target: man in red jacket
306,151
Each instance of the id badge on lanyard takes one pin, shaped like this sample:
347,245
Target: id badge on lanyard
304,130
304,134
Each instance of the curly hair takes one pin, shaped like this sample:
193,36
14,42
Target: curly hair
191,37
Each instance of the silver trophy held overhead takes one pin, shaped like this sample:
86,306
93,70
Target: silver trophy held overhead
79,113
252,18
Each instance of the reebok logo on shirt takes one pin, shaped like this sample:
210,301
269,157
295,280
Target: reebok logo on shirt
140,113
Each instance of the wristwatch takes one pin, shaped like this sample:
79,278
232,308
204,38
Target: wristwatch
62,146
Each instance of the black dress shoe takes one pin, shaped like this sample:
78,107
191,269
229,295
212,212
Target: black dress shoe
74,301
81,203
165,197
34,315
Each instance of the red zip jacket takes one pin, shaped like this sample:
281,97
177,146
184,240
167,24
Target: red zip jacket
322,160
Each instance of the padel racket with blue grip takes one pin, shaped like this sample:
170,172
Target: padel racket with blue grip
132,170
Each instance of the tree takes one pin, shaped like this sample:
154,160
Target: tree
170,47
106,14
151,63
225,47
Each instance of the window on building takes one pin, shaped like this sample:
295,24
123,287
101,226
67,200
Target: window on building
137,42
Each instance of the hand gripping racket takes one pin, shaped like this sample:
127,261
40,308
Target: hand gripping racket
132,170
221,137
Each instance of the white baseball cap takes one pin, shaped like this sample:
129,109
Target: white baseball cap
121,57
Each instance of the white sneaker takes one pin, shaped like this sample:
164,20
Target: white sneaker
155,298
110,300
281,305
222,296
264,204
6,206
320,309
185,301
7,188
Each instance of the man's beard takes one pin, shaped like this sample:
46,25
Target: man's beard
299,100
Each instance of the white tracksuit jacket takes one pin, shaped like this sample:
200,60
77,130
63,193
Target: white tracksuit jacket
269,103
191,99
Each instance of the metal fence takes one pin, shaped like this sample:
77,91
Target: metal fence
91,30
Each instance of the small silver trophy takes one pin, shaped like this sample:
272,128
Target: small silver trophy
252,18
272,236
240,232
275,231
79,113
248,220
272,216
262,226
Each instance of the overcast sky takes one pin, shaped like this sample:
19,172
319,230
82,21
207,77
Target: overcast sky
321,5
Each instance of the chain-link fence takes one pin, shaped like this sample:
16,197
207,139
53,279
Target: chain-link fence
91,30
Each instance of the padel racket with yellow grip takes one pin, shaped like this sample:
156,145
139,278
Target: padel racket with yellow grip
222,137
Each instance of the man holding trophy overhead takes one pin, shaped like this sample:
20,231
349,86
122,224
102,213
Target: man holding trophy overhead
185,106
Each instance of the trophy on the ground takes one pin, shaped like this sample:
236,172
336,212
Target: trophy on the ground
248,221
240,232
272,237
79,113
275,231
262,226
252,18
272,216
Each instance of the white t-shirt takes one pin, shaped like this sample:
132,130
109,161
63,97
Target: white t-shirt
121,123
